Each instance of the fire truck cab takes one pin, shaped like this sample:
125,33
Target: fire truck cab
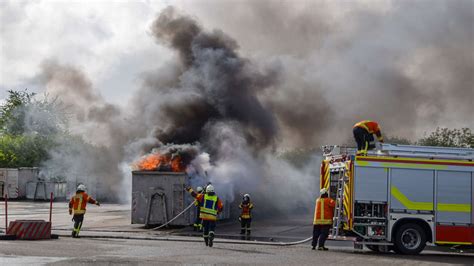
401,197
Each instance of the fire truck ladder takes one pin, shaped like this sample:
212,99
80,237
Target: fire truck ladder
425,151
339,210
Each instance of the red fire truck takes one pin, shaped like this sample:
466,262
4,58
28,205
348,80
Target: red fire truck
401,197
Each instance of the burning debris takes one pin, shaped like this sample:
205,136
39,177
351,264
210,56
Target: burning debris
160,162
169,158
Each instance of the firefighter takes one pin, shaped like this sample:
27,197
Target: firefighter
245,216
211,206
323,216
77,206
363,134
197,223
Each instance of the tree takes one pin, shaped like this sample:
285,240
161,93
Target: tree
12,112
446,137
29,128
23,150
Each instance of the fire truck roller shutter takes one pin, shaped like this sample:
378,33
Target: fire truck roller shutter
454,208
454,197
411,189
370,184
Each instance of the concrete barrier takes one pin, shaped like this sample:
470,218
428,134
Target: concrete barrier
30,229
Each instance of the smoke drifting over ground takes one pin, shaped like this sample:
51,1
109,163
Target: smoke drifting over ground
287,75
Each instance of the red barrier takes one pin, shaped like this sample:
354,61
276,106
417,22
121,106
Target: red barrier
30,229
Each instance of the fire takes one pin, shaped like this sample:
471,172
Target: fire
160,162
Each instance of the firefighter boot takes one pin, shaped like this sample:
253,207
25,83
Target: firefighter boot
242,231
211,239
206,241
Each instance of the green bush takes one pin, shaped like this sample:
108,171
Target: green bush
23,150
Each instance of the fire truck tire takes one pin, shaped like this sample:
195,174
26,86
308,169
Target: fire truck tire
410,239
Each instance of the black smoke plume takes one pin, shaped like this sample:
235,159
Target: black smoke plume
214,84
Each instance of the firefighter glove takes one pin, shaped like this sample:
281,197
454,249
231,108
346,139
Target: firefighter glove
70,211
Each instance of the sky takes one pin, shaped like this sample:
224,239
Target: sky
108,40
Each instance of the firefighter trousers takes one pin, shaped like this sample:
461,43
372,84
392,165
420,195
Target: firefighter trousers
245,225
208,230
197,222
320,234
364,139
78,219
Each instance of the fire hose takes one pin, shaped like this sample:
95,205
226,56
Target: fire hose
174,218
171,239
232,242
244,242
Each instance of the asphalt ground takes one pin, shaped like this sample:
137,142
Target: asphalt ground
108,238
90,251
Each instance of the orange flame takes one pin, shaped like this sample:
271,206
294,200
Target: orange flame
156,162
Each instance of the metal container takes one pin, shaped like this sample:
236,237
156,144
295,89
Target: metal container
41,190
9,181
26,175
159,196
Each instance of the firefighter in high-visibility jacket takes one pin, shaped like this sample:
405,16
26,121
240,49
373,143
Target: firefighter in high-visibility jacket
245,216
211,206
77,207
363,134
197,222
323,217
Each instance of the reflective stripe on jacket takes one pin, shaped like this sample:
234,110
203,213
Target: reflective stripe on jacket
246,208
211,206
372,127
79,201
324,211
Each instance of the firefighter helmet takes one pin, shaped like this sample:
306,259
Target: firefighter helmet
209,188
323,191
247,196
199,189
81,187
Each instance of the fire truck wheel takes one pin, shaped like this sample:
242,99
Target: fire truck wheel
410,239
